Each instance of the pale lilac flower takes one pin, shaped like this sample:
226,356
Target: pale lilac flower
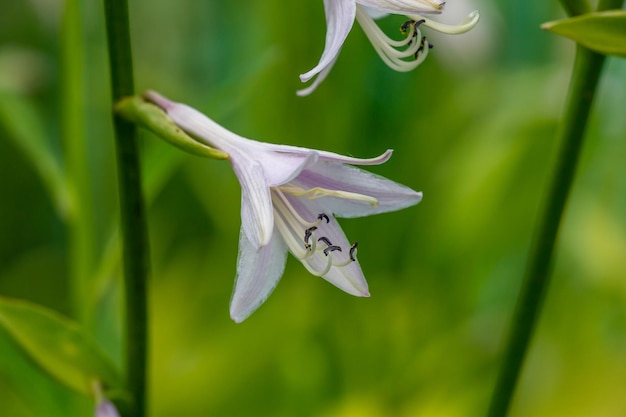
403,55
290,197
105,408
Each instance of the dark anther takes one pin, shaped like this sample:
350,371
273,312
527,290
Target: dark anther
331,249
430,45
419,22
307,235
323,216
325,240
406,25
352,250
423,44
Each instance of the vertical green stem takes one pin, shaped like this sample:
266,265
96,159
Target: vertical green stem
79,219
585,77
132,213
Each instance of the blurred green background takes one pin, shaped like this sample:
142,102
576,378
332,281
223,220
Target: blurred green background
473,128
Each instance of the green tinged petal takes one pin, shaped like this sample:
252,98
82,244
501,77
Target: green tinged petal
58,345
603,32
150,116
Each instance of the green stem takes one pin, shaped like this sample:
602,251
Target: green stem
576,7
585,78
132,213
77,173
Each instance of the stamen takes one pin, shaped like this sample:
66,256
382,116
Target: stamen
353,251
468,24
283,203
308,232
391,51
319,192
332,248
300,235
325,240
329,265
406,25
324,217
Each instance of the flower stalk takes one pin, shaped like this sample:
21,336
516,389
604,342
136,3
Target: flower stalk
585,77
132,212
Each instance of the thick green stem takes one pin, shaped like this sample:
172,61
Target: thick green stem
132,213
585,77
80,221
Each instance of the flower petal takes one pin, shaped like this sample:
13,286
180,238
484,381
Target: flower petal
320,77
258,273
282,167
331,156
340,16
257,214
106,409
391,196
404,6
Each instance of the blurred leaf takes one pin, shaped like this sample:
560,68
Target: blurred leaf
25,129
603,32
58,345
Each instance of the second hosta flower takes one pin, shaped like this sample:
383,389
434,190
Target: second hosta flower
400,55
290,197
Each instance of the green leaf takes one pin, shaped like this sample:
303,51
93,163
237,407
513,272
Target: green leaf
25,128
603,32
58,345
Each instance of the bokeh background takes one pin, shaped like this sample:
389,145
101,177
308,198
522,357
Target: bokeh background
473,128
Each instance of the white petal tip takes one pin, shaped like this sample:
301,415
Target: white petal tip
238,313
237,319
306,91
158,99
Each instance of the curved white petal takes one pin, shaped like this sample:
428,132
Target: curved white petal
258,273
404,6
340,16
332,156
321,76
282,167
391,196
257,214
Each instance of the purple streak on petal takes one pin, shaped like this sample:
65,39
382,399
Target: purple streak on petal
258,273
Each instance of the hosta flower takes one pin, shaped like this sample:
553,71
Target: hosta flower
290,197
400,55
105,408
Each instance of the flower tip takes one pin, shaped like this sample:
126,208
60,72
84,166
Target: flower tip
158,99
106,409
238,314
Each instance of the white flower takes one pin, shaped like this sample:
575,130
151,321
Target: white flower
105,408
403,55
290,197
